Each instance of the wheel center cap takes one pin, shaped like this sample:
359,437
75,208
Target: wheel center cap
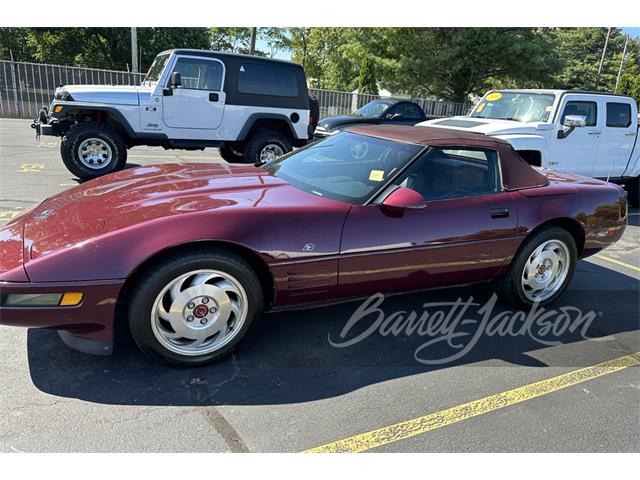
200,311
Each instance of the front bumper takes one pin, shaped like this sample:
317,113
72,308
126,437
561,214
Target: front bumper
87,327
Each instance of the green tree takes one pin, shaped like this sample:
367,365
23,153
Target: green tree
367,78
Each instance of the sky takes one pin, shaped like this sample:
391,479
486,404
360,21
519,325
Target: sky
633,32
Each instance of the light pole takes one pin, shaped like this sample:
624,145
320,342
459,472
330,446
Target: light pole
624,54
252,41
134,49
604,52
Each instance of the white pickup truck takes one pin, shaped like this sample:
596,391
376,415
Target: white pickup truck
588,133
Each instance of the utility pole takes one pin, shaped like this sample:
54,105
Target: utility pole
624,54
252,41
134,49
604,52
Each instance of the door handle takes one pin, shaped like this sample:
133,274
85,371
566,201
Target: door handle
213,97
595,132
631,134
499,212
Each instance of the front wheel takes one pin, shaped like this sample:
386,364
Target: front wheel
541,270
194,308
92,149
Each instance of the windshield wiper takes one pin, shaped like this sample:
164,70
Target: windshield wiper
513,119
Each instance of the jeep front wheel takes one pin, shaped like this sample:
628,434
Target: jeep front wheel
266,146
92,149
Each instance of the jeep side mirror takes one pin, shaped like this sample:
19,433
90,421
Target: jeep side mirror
405,198
176,80
570,123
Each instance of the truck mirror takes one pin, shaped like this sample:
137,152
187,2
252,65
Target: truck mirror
570,123
176,80
575,121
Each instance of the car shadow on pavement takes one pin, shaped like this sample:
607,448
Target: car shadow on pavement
288,357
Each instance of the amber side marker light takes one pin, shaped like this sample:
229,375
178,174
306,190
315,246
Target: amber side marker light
58,108
67,299
70,299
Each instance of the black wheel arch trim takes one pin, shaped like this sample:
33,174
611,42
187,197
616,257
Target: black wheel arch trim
254,117
70,107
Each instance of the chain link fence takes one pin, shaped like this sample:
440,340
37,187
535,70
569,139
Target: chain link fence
26,87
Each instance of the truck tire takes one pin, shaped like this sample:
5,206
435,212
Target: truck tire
314,112
231,155
633,192
92,149
265,146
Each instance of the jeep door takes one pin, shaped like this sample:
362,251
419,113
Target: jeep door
198,103
465,231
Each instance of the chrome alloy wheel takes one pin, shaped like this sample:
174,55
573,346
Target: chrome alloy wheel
199,312
95,153
271,152
545,270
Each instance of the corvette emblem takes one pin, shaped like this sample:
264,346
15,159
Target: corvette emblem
44,214
308,247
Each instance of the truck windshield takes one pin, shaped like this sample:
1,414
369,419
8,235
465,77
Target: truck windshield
519,106
156,68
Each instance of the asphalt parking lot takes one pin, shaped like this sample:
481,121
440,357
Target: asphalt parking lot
289,389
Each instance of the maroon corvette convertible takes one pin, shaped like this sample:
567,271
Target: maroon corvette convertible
195,253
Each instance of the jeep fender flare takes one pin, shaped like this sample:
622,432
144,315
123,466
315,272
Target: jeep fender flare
255,117
72,107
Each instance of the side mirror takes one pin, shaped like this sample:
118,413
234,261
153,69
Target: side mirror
176,80
575,121
570,123
405,198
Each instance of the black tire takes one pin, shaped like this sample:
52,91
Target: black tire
149,285
509,287
633,192
231,155
83,131
314,112
262,139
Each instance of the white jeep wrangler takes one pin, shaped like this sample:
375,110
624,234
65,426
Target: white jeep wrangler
254,109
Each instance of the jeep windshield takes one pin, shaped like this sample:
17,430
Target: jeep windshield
373,109
518,106
156,68
346,167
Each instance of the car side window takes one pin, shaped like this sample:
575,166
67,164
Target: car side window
407,111
446,173
199,73
618,114
268,79
586,109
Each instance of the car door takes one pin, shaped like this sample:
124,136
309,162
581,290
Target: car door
403,113
617,140
199,102
577,152
464,233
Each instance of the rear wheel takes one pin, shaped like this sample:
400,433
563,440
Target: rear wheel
633,192
541,270
194,308
231,155
265,146
92,149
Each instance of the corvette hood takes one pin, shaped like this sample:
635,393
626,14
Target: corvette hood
110,94
140,195
486,126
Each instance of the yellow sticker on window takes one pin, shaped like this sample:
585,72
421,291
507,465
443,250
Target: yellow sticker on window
492,97
480,107
549,108
376,175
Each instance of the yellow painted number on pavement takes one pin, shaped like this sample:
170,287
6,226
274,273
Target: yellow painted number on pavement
8,214
32,167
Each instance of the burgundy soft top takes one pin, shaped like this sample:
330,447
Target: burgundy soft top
516,173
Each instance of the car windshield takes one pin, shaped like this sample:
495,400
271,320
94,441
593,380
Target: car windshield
373,109
519,106
347,167
153,75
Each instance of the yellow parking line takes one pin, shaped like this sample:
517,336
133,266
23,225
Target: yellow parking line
32,167
417,426
618,262
8,214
